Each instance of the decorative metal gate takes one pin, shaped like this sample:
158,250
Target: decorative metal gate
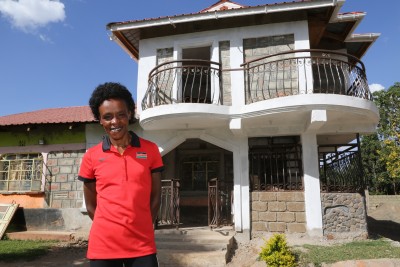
169,207
220,200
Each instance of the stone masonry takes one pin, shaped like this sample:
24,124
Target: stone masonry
344,216
269,78
224,55
278,212
63,189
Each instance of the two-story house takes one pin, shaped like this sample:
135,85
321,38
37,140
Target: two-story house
258,112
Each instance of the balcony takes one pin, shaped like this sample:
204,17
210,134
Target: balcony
280,91
184,81
282,74
305,72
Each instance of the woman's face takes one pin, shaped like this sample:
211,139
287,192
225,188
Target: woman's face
114,117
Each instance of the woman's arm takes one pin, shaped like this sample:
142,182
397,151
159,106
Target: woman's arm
155,197
90,193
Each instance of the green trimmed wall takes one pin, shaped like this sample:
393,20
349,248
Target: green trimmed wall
51,134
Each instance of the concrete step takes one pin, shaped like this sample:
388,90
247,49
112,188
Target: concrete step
193,247
47,235
178,258
41,235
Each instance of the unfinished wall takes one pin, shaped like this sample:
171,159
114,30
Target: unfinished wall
63,189
277,212
344,216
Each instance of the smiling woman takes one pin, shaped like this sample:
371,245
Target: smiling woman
122,183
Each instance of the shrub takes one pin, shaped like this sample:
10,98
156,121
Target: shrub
276,252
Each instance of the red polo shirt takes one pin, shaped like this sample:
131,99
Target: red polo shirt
122,226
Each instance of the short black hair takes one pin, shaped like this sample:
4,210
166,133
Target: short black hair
111,90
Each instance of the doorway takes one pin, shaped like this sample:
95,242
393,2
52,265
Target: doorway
196,164
196,80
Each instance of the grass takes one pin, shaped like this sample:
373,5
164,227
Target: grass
23,250
357,250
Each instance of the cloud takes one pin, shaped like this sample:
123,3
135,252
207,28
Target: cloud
29,15
376,87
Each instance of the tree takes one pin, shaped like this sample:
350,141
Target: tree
383,166
374,170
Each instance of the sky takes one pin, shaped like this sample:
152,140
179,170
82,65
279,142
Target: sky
53,53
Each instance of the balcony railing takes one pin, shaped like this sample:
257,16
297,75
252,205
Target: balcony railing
184,81
341,168
305,72
294,72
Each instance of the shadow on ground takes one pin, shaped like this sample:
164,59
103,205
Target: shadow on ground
384,228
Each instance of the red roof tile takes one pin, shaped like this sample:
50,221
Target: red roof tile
51,115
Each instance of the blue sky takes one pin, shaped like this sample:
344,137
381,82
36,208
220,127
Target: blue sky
53,53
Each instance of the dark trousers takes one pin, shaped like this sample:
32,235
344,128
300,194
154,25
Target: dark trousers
145,261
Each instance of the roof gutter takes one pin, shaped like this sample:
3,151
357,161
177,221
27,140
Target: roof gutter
221,14
364,37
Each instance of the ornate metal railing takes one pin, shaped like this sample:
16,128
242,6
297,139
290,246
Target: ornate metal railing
305,72
184,81
276,167
220,199
341,168
169,207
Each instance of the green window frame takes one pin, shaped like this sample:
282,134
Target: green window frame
21,172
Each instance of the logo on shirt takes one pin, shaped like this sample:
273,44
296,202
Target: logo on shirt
141,155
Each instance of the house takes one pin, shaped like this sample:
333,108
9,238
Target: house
258,112
40,154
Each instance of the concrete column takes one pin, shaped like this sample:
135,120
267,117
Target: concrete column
241,187
312,195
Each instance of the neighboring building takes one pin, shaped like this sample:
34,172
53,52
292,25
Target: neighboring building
257,112
268,99
40,154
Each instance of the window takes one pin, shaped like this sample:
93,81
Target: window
21,172
275,163
197,172
196,75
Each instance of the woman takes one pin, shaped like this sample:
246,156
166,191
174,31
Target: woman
122,185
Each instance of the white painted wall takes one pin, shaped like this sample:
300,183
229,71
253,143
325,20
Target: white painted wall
148,49
223,136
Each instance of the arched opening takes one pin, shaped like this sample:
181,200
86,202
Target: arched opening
196,165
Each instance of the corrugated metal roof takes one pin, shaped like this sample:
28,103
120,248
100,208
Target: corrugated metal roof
49,116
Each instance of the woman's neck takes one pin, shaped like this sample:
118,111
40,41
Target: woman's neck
122,143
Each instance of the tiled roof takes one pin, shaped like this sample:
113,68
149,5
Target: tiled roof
222,3
51,115
109,25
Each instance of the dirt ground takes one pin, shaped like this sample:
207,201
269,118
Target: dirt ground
63,255
384,221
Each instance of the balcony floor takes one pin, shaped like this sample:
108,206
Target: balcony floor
279,116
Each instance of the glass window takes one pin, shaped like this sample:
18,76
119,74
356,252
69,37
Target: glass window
197,173
21,172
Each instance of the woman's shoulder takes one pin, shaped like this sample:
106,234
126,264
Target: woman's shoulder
147,143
